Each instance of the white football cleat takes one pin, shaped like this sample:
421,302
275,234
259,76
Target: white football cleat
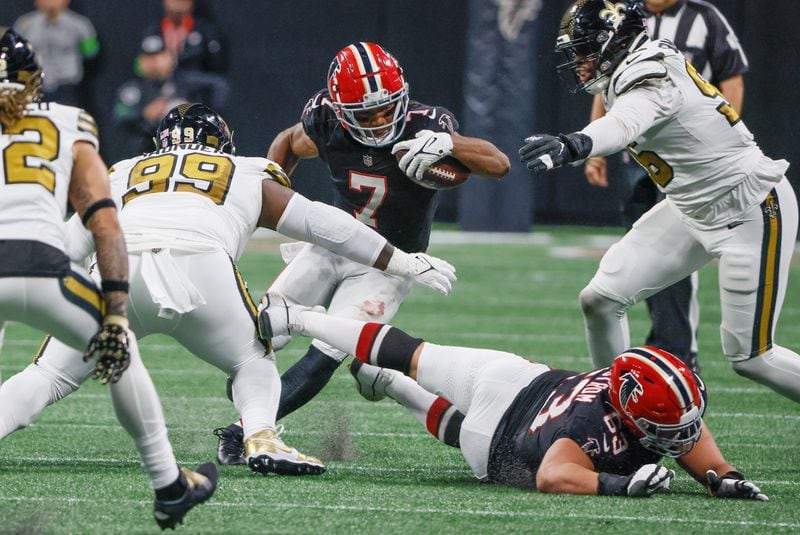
278,317
372,381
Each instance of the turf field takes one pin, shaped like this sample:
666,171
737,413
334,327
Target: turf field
75,470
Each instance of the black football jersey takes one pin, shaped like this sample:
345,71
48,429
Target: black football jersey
562,404
367,180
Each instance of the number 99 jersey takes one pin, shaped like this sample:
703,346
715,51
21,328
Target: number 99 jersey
189,197
36,168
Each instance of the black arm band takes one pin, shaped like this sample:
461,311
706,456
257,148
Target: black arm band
611,485
102,203
114,286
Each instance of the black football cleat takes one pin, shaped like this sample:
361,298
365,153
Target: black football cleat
200,485
230,450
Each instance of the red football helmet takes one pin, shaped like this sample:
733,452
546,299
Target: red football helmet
659,398
362,78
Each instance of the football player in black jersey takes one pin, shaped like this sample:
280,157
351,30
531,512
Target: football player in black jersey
356,125
524,424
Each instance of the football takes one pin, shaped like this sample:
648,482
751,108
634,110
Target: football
447,173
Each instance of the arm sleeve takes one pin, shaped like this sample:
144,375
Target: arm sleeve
80,243
330,228
632,114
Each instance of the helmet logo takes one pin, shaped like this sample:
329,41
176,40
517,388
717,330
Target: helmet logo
630,388
613,13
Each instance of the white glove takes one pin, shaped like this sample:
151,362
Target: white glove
425,269
648,479
732,485
426,149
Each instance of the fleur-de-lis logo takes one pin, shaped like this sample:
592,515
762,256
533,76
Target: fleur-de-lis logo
613,12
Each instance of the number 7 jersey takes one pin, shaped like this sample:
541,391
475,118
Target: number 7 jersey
189,197
36,169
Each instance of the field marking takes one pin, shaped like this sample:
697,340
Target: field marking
216,503
333,466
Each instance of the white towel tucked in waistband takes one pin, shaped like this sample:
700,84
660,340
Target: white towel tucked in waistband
169,287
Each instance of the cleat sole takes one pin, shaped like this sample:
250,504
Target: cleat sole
263,464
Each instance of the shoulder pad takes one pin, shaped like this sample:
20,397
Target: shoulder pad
638,73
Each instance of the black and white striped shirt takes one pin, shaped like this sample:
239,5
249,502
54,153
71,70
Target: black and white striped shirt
701,32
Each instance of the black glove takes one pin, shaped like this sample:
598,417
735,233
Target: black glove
110,346
734,485
542,152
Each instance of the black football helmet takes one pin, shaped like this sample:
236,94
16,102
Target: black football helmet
18,63
595,36
195,123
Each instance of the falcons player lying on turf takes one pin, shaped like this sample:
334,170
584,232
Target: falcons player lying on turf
725,199
524,424
355,125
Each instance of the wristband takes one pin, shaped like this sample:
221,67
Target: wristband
102,203
114,286
116,319
611,485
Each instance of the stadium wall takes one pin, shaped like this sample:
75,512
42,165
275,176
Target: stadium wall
281,50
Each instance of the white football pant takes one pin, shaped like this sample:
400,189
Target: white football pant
754,255
316,276
70,309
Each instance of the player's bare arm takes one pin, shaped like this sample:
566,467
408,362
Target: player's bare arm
596,167
703,457
290,146
733,91
481,156
706,464
89,185
566,469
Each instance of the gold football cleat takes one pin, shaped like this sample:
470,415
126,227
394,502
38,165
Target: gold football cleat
266,453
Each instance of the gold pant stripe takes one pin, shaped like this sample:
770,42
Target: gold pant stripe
768,279
245,293
84,294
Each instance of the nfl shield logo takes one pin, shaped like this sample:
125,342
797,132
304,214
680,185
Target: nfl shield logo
368,160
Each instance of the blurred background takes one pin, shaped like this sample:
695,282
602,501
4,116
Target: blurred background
491,62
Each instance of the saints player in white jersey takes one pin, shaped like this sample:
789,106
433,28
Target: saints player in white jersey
187,211
49,158
724,198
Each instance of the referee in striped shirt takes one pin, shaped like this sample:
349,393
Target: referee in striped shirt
700,31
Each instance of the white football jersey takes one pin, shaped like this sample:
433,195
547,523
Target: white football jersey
688,137
36,169
190,198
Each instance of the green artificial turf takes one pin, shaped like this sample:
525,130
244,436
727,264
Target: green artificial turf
75,470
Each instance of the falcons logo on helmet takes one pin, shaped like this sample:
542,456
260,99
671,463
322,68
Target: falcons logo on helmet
630,388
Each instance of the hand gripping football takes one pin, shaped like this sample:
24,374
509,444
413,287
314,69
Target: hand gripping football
447,173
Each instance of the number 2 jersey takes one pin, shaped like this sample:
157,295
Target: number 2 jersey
189,197
36,171
562,404
685,134
368,182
